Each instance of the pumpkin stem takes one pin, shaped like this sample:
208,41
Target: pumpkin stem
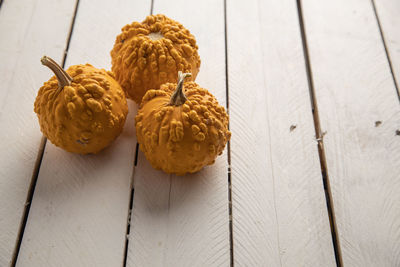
178,97
62,76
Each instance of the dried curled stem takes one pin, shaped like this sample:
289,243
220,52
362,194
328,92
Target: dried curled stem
178,97
62,76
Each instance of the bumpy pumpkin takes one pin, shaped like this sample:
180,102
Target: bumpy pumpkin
81,110
148,54
181,131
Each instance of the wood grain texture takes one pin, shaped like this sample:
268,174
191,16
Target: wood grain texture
360,112
388,12
27,31
79,210
184,221
279,210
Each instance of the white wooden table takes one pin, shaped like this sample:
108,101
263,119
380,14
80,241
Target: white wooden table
311,176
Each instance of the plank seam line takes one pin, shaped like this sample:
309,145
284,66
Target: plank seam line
386,48
229,142
130,209
319,137
39,158
136,156
151,7
129,220
132,186
28,200
165,248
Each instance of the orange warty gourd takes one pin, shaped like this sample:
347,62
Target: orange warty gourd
81,110
148,54
181,130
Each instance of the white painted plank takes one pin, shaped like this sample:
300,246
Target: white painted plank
389,16
184,221
27,30
80,206
354,90
279,210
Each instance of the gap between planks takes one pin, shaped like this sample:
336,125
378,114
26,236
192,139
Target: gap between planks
319,137
38,162
129,218
229,142
169,193
132,195
28,201
386,49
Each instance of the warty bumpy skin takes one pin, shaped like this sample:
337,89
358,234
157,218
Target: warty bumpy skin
86,116
148,54
181,139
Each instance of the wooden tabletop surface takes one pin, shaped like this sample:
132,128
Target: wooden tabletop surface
311,176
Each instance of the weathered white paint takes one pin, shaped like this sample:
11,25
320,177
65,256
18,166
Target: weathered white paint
184,221
80,206
79,210
27,30
354,92
389,16
279,210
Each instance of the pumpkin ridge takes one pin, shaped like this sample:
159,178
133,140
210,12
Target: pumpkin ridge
181,139
141,63
86,115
